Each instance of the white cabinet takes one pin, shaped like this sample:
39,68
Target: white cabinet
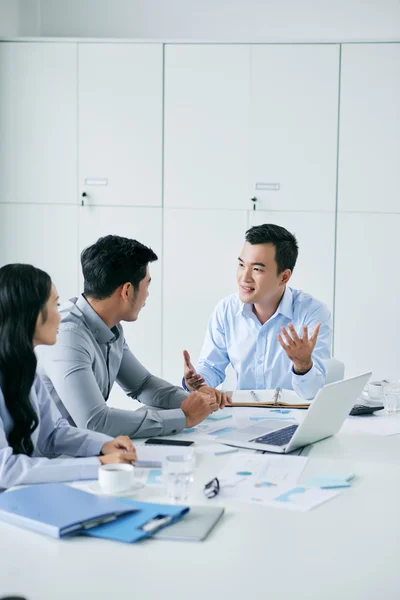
201,248
145,225
369,158
315,234
367,323
246,121
120,123
293,127
45,236
38,117
206,126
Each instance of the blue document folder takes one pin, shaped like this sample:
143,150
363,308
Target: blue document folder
147,519
57,509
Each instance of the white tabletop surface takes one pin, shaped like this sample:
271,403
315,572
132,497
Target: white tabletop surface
347,548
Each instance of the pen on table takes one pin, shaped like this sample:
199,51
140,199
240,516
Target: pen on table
277,395
254,396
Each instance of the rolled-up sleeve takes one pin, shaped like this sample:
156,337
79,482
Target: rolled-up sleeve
71,374
138,383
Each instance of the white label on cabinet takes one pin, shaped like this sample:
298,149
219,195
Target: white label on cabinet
98,181
272,187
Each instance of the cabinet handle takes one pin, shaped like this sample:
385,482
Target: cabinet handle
254,201
84,195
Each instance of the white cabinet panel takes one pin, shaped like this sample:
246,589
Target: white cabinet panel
120,123
315,234
369,159
206,126
200,260
38,116
45,236
145,225
367,324
294,116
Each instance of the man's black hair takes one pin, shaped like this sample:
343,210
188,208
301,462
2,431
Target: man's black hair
111,262
286,247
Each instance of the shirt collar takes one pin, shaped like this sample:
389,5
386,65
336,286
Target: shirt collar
285,306
101,332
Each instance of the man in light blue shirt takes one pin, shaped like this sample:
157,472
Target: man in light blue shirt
272,335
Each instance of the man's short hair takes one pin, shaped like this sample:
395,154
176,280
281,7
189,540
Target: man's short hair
111,262
286,246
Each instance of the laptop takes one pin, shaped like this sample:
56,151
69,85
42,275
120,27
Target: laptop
327,413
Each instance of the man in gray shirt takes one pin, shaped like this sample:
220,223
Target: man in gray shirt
91,352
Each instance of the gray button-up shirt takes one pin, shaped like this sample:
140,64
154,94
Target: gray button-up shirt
81,368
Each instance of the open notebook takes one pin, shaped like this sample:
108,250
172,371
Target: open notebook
265,399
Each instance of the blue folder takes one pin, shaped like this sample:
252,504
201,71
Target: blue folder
147,519
57,509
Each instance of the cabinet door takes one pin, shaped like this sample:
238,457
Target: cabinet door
294,117
200,260
45,236
367,322
206,126
38,115
315,234
143,224
120,123
369,159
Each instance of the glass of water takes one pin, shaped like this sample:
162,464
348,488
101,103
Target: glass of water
178,475
391,397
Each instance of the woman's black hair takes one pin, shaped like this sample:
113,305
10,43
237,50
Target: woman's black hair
24,291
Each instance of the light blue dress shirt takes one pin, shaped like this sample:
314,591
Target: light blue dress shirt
236,336
53,436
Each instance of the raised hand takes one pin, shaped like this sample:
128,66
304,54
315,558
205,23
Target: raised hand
193,380
299,349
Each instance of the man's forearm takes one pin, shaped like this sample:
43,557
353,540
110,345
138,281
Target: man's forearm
143,422
160,394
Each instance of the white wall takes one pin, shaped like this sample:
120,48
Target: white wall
217,20
19,18
9,18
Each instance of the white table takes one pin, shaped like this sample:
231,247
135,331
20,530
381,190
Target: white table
347,548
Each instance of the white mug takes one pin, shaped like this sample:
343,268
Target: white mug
116,478
375,390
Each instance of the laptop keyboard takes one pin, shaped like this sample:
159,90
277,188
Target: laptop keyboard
277,438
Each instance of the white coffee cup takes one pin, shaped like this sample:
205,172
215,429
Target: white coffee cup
116,478
375,390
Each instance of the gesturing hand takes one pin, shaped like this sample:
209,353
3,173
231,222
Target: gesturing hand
192,379
299,349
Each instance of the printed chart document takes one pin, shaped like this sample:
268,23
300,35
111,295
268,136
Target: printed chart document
270,481
257,478
301,498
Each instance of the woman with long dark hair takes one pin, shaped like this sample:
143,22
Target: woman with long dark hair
31,428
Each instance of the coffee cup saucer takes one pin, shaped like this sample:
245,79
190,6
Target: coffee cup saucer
95,487
364,398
